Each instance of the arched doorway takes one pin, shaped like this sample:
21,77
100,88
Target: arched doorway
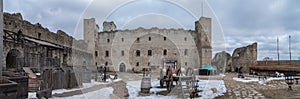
122,67
12,58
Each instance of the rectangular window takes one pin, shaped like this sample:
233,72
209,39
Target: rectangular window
165,38
138,53
106,53
149,38
137,63
96,53
122,53
108,40
149,52
186,52
39,35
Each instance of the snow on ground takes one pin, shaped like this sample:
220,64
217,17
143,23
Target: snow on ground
31,95
205,85
208,85
134,87
85,85
103,93
248,79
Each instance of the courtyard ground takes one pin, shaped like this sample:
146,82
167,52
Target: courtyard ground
228,86
270,89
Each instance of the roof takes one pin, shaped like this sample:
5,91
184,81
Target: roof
42,42
207,67
29,72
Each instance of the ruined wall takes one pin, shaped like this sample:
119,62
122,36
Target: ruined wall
109,26
223,62
245,57
64,44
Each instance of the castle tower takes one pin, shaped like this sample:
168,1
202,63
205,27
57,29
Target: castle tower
91,35
109,26
203,31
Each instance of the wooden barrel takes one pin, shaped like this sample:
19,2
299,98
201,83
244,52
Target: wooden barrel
145,85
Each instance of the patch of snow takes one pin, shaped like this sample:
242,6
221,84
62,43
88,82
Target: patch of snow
207,85
105,94
246,80
85,85
31,95
134,87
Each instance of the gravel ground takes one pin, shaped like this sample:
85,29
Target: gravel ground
253,90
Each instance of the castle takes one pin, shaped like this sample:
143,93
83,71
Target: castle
31,45
123,50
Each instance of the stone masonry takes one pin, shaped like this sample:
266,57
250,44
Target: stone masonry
32,45
223,62
127,49
245,57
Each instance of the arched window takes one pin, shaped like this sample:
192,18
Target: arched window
149,38
149,52
138,53
165,38
137,63
165,52
108,40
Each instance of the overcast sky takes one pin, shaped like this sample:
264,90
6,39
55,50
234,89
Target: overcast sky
236,23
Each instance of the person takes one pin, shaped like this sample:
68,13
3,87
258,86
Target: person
104,71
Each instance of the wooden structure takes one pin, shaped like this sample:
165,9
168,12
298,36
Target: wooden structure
277,66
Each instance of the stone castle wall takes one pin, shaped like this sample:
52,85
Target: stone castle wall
62,46
183,45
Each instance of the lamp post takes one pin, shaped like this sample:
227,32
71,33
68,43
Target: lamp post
289,78
290,49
